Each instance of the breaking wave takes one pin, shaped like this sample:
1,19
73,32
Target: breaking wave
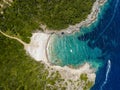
107,74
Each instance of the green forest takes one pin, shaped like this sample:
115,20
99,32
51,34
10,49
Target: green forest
25,16
18,71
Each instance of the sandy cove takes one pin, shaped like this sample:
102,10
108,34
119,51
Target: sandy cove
37,48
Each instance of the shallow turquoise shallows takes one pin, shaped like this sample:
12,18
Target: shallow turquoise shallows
65,50
68,50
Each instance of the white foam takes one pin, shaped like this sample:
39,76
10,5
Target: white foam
107,73
71,50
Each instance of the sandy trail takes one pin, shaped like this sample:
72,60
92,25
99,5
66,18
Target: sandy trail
39,42
37,50
19,40
8,2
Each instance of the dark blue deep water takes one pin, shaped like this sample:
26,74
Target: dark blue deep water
106,36
98,44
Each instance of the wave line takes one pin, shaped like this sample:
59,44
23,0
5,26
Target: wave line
107,73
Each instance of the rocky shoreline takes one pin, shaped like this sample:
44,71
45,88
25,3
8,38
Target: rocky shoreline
73,28
38,47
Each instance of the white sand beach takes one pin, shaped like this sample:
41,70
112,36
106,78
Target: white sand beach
37,45
37,50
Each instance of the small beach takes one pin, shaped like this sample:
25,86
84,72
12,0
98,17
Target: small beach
38,47
81,56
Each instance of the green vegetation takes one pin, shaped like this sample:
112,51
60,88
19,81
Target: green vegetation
87,84
17,70
24,16
20,72
3,5
83,77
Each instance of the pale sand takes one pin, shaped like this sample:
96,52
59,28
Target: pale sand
19,40
37,45
37,50
8,2
74,74
39,41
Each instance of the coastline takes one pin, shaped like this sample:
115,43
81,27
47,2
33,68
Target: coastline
38,47
74,28
68,72
69,75
43,39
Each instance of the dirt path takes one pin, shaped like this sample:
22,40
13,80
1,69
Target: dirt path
19,40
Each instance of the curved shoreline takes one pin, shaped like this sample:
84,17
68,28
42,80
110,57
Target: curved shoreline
66,72
42,40
46,48
92,17
88,21
71,29
38,47
74,72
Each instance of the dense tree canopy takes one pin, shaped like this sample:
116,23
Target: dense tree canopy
20,72
17,70
24,16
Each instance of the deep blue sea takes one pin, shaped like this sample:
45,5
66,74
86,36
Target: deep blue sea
97,44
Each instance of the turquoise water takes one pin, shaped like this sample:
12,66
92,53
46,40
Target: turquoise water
98,44
66,50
